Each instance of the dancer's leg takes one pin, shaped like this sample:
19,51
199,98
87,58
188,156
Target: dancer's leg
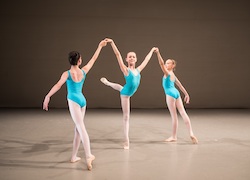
77,114
115,86
76,144
184,115
125,102
172,109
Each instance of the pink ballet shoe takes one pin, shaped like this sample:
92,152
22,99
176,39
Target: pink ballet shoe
73,160
171,139
126,146
194,139
89,162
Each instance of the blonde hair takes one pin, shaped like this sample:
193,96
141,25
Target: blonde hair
174,63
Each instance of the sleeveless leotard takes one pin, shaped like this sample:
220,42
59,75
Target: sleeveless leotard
169,87
75,90
132,83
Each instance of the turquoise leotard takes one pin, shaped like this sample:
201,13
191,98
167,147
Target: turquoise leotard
132,83
75,90
169,87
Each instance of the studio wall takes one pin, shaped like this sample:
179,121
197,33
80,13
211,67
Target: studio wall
210,41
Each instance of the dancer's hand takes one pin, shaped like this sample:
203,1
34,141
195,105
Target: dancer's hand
187,99
46,103
156,50
109,40
103,43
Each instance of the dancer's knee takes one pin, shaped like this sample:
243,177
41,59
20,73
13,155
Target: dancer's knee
126,117
184,116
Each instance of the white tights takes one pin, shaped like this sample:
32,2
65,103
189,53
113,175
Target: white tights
174,104
125,103
77,114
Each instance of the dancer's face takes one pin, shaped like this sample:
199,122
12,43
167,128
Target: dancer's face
169,64
131,58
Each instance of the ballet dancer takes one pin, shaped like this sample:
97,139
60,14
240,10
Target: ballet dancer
173,97
132,77
74,78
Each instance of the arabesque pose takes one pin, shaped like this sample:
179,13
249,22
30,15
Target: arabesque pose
132,77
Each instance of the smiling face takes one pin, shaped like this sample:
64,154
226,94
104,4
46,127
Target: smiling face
170,64
131,58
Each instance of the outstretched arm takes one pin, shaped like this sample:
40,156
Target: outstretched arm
54,89
181,87
91,62
161,62
123,67
146,60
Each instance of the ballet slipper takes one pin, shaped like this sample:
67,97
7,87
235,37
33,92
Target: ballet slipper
104,80
73,160
89,162
126,146
170,139
194,139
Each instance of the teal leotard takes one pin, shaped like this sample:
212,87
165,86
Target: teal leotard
169,87
75,90
132,83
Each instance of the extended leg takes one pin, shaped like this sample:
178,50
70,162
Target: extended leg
115,86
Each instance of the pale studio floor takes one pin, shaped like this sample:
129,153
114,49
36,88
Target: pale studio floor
37,145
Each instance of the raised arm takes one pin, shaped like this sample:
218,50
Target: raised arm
146,60
161,62
91,62
181,87
123,67
54,89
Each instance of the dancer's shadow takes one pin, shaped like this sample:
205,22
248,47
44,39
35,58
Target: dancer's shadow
20,153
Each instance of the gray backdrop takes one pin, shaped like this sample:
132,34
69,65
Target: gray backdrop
209,39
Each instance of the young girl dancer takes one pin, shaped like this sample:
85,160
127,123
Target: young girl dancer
132,77
74,79
173,97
